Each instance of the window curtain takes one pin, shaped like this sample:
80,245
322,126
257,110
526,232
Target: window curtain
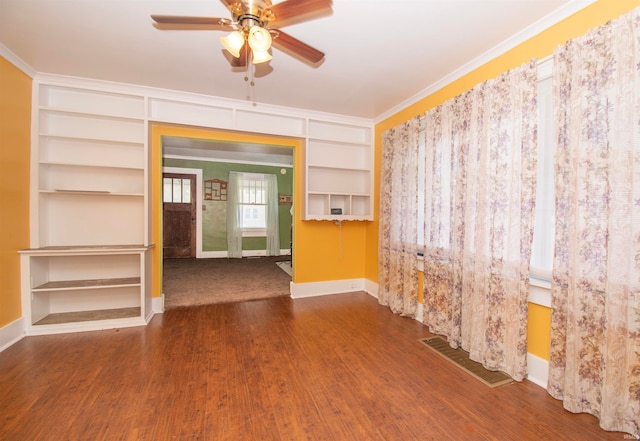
398,250
234,232
237,183
273,223
480,184
594,363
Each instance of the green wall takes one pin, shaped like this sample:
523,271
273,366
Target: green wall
214,220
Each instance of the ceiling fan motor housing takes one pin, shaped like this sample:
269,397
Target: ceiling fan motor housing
250,12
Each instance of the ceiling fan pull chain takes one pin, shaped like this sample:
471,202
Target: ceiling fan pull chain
249,79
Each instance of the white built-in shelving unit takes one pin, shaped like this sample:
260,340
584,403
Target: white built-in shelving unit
89,262
338,172
88,266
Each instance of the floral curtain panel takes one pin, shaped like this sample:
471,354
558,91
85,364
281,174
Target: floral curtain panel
595,337
479,217
398,245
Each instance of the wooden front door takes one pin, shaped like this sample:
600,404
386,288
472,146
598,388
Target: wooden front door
179,215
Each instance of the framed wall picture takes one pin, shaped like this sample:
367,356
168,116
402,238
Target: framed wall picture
215,190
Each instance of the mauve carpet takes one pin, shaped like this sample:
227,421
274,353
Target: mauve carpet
189,282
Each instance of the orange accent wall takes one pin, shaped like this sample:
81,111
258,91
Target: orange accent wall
321,250
540,46
539,330
15,151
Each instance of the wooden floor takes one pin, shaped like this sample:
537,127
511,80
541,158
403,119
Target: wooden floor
328,368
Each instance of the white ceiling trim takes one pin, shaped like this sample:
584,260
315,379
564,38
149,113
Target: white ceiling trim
17,61
544,23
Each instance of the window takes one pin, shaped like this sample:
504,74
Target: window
544,230
176,190
253,204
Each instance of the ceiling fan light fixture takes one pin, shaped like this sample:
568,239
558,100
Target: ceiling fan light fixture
261,56
259,39
233,43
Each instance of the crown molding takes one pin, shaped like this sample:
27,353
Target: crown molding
566,10
16,61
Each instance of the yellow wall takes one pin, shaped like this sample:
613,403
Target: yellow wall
540,46
322,250
539,330
15,126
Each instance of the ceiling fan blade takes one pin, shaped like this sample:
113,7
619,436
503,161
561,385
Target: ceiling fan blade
297,9
194,23
288,43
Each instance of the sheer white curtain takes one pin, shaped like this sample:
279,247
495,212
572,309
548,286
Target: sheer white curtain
259,193
398,249
234,215
272,221
479,216
594,365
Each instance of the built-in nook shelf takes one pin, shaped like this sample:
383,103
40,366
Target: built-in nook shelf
338,165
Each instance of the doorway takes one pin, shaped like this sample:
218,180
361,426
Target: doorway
186,144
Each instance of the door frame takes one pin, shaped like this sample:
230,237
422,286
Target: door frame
198,174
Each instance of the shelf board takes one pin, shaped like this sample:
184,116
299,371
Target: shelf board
89,316
82,250
341,217
71,164
89,193
333,193
89,139
336,141
89,114
338,167
70,285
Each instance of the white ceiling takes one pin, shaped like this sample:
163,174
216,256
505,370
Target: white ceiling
380,54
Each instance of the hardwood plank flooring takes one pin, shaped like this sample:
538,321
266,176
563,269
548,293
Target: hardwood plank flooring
336,367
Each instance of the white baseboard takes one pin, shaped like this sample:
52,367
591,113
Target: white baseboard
11,333
420,313
371,288
245,253
313,289
214,254
537,370
157,304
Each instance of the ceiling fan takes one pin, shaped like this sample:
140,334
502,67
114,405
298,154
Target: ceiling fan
255,27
